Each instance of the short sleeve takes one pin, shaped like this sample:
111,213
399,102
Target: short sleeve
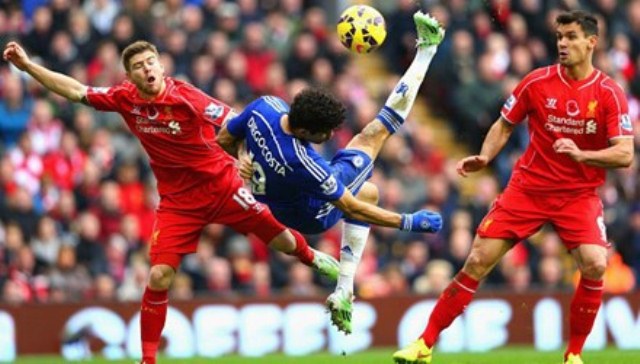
212,110
314,173
617,116
105,98
236,125
514,109
517,106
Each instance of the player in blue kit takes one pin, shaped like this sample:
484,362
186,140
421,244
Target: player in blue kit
310,194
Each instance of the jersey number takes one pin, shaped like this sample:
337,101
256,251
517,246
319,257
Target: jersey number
244,198
258,180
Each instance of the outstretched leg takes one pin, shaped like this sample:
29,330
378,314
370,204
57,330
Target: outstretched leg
370,140
259,221
397,107
484,256
293,243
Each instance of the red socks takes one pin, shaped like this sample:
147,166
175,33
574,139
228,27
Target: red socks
152,316
584,308
302,251
450,305
452,302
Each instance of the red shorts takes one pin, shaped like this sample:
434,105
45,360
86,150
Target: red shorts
516,215
180,220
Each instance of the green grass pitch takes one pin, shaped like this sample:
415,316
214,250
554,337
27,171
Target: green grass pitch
500,356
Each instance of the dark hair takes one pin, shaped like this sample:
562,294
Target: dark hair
316,110
587,22
136,48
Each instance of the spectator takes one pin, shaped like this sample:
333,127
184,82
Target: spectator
15,109
300,282
108,211
89,251
300,61
619,277
479,100
261,280
415,260
135,280
41,32
63,52
182,288
550,273
219,277
437,276
27,165
258,56
21,211
104,288
123,31
44,130
64,164
83,34
102,13
192,23
47,243
71,280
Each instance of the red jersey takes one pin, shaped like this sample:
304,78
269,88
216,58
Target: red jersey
176,129
591,112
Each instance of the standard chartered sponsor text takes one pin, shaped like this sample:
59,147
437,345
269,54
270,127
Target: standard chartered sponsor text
563,129
154,129
558,124
565,121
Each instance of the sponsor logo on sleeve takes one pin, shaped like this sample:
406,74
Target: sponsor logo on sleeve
510,102
213,111
100,90
358,161
329,186
625,122
485,224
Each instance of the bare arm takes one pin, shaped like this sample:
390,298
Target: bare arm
62,85
495,140
366,212
618,155
228,142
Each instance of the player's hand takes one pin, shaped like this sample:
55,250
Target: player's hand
15,54
471,164
423,221
568,147
245,166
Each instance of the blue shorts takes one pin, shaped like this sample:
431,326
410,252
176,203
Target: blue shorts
353,168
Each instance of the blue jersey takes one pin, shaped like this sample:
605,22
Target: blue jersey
289,175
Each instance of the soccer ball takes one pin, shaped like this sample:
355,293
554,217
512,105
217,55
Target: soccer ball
361,28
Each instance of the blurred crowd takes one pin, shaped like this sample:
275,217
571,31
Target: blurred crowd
77,197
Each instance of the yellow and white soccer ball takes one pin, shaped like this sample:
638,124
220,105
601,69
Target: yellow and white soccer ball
361,28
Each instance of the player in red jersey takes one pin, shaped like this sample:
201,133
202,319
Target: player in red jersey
579,126
197,181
